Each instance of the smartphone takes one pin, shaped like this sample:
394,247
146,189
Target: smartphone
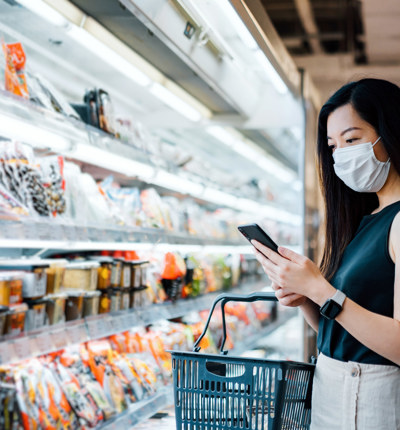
254,231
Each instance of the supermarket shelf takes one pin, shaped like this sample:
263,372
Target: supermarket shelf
53,338
76,140
33,234
141,411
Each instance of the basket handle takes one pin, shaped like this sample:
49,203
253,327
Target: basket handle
224,298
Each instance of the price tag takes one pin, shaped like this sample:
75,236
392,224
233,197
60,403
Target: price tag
6,352
59,339
44,343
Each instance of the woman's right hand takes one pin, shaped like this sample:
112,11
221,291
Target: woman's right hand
286,298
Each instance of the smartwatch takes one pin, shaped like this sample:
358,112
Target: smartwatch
333,306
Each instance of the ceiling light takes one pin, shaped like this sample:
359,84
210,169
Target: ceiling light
175,102
272,74
235,20
221,134
108,55
108,160
42,9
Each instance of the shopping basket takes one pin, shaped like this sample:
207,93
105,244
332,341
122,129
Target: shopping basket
220,392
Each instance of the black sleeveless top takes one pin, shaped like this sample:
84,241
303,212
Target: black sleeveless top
366,276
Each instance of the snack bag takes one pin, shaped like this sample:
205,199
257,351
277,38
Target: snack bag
15,80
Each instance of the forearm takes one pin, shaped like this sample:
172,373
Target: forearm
311,313
377,332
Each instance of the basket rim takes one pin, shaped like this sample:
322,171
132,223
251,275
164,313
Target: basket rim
237,359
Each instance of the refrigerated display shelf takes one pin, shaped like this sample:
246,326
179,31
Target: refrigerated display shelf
33,234
48,131
56,337
141,411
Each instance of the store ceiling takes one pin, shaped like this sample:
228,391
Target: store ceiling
340,40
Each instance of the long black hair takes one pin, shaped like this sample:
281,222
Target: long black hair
377,102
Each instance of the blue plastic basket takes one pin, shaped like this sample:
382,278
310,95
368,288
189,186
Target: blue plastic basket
218,392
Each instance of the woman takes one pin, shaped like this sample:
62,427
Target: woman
353,299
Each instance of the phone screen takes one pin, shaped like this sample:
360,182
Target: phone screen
255,232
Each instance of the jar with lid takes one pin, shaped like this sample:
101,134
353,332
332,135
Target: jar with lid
81,275
104,271
35,276
11,286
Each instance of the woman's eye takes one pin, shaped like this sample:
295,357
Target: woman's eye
351,140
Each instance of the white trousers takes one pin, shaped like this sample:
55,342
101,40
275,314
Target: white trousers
355,396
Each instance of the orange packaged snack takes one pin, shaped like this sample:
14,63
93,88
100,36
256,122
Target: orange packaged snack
15,80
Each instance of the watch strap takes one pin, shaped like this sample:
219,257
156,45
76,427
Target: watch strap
339,297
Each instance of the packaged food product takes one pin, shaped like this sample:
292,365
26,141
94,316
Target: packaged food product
126,273
36,314
15,80
81,275
3,319
91,301
11,284
55,307
97,110
104,271
125,298
116,271
105,302
115,299
55,276
173,275
74,305
52,169
15,319
35,277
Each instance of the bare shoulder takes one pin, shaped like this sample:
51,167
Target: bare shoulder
394,240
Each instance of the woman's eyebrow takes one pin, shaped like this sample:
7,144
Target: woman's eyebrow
349,129
346,131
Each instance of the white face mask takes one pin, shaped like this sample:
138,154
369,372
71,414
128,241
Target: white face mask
358,167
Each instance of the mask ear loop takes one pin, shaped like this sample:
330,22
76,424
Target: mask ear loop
376,141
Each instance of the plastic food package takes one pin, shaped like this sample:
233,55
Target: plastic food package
21,176
15,80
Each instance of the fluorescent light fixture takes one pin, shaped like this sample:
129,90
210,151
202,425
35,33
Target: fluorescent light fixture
273,75
42,9
108,160
238,24
175,102
177,183
108,55
18,129
221,134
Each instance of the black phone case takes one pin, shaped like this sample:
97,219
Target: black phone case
255,232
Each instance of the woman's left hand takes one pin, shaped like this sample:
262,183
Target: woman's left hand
294,272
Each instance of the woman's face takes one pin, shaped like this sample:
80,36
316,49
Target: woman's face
346,128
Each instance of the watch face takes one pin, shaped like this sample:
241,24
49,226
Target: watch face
331,309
